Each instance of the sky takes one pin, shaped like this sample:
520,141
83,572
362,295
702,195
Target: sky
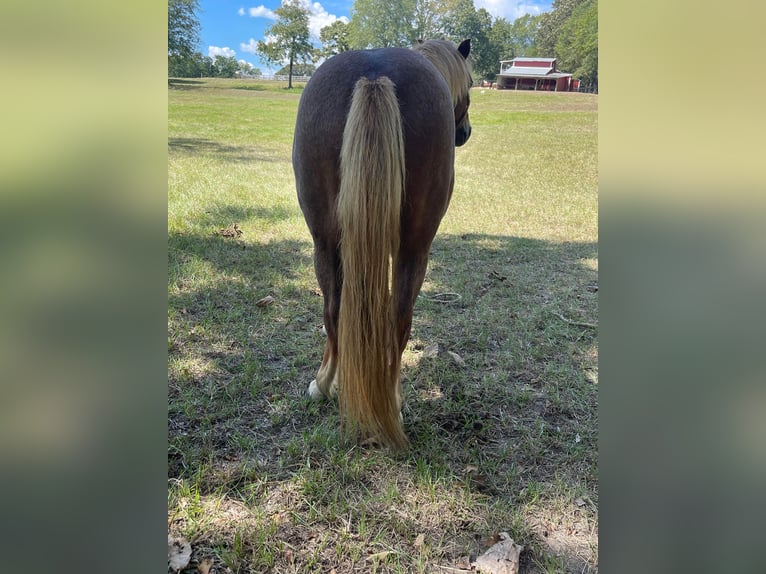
233,27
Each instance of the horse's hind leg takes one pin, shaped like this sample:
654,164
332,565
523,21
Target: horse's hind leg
410,272
326,264
326,384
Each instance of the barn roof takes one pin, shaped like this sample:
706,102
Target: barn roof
515,73
528,59
537,72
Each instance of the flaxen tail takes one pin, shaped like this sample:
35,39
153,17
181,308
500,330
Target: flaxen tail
372,175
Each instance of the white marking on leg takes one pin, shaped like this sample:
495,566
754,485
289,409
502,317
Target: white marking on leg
314,392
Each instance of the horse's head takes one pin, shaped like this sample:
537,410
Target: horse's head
453,65
462,123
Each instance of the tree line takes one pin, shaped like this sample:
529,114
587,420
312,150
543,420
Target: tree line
195,65
568,32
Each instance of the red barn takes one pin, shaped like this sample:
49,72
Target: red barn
534,74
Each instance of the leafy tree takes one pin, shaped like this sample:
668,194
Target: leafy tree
288,38
501,48
247,69
334,38
183,27
382,23
550,26
461,21
206,66
194,65
522,35
298,70
464,21
577,45
225,67
485,54
428,17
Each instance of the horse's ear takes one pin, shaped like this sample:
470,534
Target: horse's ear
465,48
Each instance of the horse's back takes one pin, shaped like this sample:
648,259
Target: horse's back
427,115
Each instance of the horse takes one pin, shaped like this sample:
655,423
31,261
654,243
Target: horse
373,157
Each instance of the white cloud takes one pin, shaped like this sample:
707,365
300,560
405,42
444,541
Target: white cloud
262,12
511,10
251,47
318,16
226,52
241,11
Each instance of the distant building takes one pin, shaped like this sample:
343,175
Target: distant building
534,74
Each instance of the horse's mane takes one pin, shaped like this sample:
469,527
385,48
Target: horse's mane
450,63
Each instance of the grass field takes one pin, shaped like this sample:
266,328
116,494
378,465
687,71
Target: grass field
500,375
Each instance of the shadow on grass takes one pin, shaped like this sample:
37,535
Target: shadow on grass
507,393
225,152
184,83
251,87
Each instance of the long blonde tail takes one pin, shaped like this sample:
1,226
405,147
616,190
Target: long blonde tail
372,175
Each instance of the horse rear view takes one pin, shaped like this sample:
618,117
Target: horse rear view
373,156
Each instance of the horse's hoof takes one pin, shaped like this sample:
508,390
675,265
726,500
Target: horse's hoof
314,391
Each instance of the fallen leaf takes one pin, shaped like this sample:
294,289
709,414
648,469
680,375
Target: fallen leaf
266,301
431,350
379,555
421,538
205,566
179,553
501,558
470,468
289,556
457,358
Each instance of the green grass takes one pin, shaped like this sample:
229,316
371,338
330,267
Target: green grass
504,439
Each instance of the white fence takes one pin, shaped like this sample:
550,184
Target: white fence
279,78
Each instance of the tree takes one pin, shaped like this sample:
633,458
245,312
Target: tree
194,65
577,45
522,35
550,26
486,57
428,19
464,21
225,67
501,48
183,27
382,24
298,70
334,38
288,37
246,69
